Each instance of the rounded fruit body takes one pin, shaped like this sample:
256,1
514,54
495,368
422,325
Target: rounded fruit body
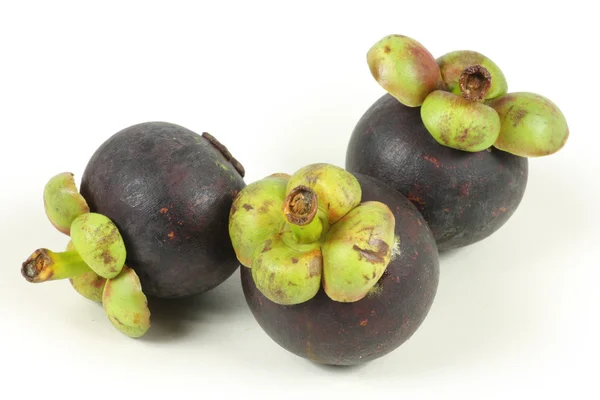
464,196
336,333
169,191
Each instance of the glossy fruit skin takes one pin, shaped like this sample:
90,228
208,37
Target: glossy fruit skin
335,333
169,192
465,197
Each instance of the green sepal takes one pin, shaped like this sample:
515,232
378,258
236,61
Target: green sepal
99,243
458,123
256,214
404,68
125,304
287,275
357,250
62,201
531,125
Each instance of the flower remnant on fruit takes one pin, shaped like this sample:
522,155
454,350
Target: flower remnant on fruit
485,116
302,232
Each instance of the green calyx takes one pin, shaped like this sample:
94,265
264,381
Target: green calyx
453,64
62,201
301,232
255,213
404,68
461,124
464,99
531,125
93,261
125,304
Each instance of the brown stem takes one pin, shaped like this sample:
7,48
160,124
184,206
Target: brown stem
45,265
475,82
300,209
219,146
300,206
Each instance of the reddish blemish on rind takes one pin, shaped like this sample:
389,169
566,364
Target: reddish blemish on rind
495,213
432,160
465,188
415,199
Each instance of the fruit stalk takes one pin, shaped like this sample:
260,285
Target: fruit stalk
300,209
475,82
45,265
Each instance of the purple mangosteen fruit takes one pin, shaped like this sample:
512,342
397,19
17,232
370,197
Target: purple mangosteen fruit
150,219
460,155
337,268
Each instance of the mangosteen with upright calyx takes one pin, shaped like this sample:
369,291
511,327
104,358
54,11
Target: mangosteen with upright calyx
463,196
337,268
461,153
150,219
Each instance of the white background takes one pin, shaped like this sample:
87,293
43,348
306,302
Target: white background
282,85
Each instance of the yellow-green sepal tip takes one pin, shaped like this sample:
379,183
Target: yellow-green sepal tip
531,125
125,304
62,201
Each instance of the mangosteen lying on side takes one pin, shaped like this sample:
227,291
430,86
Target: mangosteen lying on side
449,136
340,269
169,191
151,219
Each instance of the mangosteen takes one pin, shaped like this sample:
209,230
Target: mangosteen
169,191
151,219
451,138
338,268
464,196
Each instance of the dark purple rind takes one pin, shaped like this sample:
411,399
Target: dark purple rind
329,332
464,197
163,187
